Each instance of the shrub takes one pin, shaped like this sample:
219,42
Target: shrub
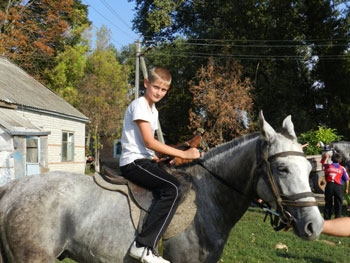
313,137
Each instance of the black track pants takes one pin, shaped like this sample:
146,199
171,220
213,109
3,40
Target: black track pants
166,193
333,197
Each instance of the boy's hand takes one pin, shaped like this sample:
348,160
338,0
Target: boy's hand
192,153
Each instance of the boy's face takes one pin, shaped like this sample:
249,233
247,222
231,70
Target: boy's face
155,90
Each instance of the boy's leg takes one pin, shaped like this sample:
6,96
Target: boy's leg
338,200
327,213
167,195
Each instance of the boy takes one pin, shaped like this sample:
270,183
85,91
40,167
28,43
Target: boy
138,164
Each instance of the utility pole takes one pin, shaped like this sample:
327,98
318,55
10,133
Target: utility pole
137,71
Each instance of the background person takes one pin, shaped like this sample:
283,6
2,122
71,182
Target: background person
336,177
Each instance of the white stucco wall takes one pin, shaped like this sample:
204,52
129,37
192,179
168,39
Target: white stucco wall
7,172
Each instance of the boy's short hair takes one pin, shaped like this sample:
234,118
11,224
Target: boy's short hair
159,73
336,158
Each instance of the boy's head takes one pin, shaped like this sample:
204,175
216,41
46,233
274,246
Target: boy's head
336,158
160,74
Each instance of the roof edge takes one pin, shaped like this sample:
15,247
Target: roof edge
54,113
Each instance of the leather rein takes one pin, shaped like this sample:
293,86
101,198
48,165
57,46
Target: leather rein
282,217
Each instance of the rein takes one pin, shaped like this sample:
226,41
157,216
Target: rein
281,214
222,180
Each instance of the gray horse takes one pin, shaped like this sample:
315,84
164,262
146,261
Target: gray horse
343,148
59,214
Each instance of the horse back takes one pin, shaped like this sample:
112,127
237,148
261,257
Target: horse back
45,216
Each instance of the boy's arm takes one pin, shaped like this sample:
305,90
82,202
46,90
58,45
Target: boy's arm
157,146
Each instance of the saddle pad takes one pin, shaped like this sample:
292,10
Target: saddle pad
181,220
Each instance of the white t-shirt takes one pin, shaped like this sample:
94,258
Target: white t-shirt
133,146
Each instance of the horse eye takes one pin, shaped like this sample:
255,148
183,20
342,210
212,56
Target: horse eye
282,169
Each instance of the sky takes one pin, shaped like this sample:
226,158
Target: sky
115,15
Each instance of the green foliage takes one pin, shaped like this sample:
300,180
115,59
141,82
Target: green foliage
66,76
313,137
276,43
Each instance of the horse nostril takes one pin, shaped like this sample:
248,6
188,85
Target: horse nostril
309,229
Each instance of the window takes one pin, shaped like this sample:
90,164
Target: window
67,146
32,155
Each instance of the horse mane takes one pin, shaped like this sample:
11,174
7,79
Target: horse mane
229,145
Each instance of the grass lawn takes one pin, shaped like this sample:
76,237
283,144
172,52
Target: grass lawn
253,241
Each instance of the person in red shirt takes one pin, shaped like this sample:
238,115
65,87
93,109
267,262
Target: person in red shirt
336,177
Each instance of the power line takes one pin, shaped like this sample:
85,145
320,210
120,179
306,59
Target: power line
110,22
262,40
259,45
249,56
110,8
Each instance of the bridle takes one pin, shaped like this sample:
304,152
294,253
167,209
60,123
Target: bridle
282,218
282,201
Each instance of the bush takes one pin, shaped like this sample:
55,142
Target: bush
313,137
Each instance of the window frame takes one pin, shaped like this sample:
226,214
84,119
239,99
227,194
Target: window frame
67,149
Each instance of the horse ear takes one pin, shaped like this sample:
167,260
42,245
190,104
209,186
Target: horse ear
289,126
267,131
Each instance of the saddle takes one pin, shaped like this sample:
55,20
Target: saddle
141,196
195,142
140,199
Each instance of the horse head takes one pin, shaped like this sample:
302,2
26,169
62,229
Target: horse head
284,180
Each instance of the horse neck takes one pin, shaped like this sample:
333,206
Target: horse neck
234,159
234,162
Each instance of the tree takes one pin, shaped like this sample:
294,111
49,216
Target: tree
32,32
285,48
102,92
222,101
331,70
65,78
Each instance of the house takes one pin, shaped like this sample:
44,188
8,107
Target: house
39,131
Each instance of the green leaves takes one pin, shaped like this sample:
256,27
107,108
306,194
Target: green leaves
313,137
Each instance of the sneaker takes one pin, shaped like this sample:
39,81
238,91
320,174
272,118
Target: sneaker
146,254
